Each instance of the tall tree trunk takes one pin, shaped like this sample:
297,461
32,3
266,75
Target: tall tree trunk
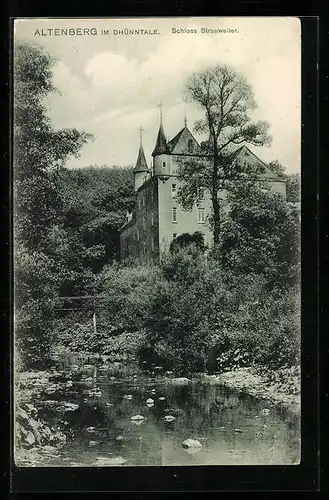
216,210
214,197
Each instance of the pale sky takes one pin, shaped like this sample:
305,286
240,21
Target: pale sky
111,85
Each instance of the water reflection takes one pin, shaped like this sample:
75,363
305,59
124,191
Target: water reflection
125,417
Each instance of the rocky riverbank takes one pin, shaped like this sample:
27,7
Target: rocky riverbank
36,442
280,388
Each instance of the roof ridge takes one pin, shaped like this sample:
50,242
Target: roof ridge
237,151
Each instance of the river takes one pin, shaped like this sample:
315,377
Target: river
123,415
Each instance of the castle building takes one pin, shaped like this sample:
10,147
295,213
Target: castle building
157,218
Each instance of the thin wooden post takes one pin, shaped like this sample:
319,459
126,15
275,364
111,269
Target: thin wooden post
94,317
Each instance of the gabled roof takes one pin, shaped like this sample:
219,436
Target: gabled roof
184,143
141,165
243,153
161,144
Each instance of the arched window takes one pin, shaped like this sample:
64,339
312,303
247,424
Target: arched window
190,145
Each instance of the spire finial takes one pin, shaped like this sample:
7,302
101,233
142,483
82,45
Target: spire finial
185,120
141,130
160,106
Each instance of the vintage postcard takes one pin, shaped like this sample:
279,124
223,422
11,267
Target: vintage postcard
156,182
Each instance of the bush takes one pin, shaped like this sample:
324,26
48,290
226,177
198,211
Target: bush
189,314
204,317
186,239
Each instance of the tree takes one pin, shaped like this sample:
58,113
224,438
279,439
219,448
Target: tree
293,188
40,153
95,201
261,236
39,150
278,169
226,99
292,181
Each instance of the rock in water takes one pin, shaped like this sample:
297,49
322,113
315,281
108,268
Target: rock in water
137,418
108,461
70,407
162,398
149,401
169,418
180,381
128,397
192,444
91,430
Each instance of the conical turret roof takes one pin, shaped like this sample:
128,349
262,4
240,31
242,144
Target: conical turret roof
141,165
161,144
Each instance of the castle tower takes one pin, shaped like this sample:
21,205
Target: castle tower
141,170
160,155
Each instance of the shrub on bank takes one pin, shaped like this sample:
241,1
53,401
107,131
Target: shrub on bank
191,315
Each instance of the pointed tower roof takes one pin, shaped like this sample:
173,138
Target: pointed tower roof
141,165
161,144
184,143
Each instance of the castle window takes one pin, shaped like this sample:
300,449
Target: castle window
173,190
152,244
174,214
137,234
201,216
174,236
163,163
152,195
190,145
152,219
144,221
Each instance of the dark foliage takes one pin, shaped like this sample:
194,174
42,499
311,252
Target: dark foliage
186,239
